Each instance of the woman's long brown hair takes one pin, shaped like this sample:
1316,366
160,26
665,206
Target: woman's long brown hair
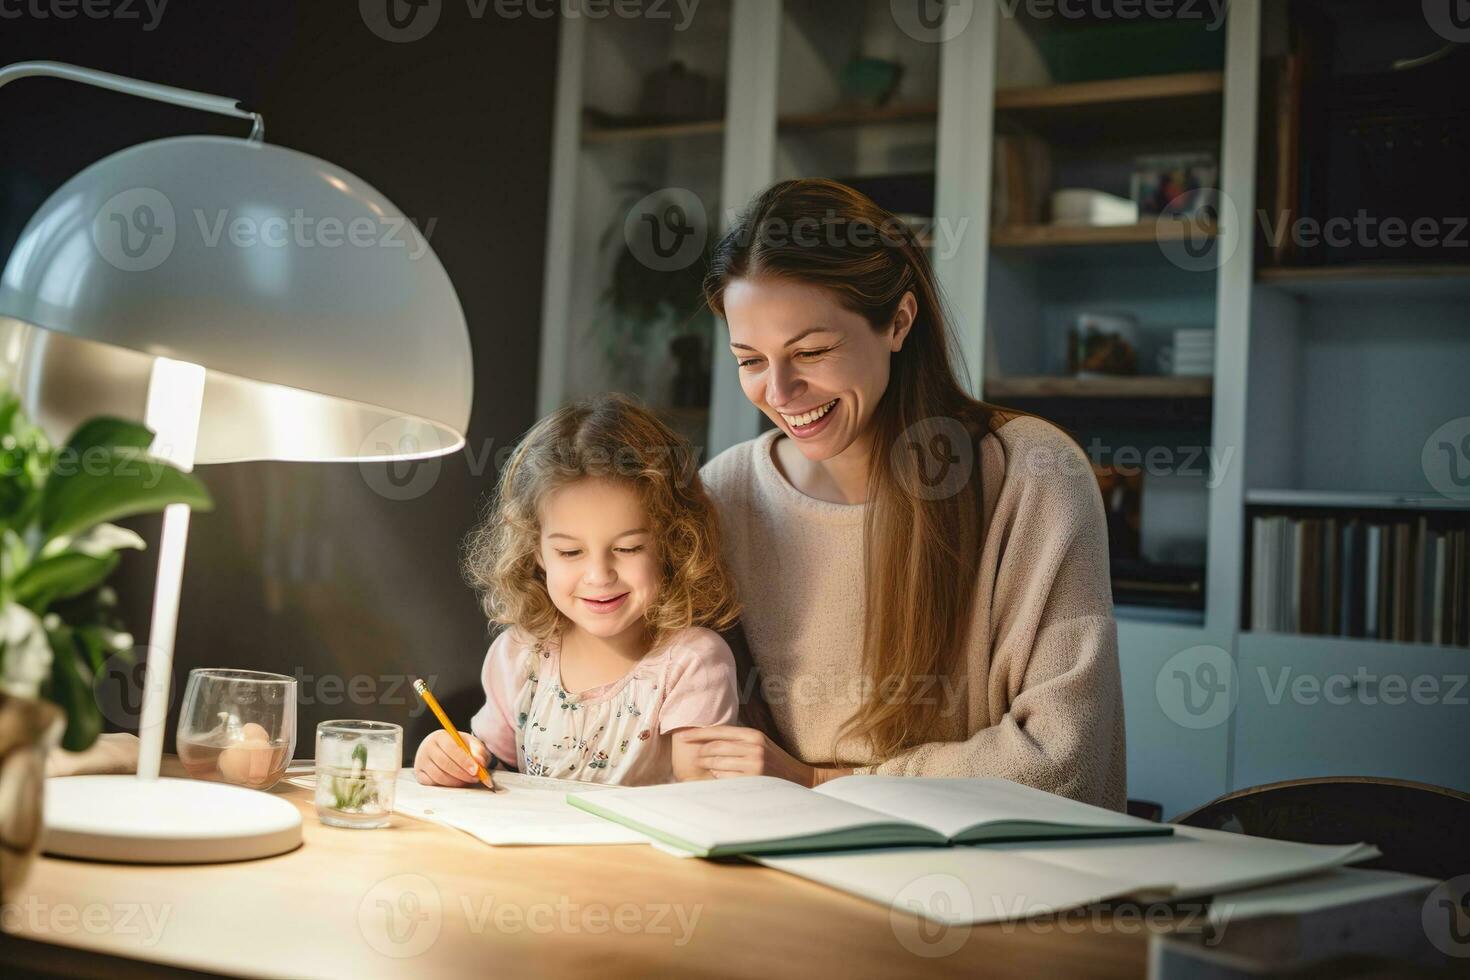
921,536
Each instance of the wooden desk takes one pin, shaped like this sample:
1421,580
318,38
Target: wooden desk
343,904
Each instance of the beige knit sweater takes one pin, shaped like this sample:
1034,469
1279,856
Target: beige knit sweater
1040,703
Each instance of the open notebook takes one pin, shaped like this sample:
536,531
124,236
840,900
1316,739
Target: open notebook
767,815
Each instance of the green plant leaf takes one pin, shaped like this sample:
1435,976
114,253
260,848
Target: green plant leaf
99,542
71,687
15,558
120,484
109,433
101,644
60,577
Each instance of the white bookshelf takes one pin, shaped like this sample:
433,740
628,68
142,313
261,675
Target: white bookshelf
1325,384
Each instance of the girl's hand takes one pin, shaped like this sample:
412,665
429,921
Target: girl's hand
439,762
722,751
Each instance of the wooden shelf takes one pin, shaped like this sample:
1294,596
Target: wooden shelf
846,118
1047,236
1352,499
1112,91
1123,386
1368,279
1147,110
1276,647
805,122
673,130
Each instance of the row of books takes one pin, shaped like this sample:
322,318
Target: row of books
1399,580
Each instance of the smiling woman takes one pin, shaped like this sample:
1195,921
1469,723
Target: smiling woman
924,576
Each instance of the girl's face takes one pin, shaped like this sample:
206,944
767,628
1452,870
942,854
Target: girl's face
815,368
600,556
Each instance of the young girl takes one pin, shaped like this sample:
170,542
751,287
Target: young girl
601,555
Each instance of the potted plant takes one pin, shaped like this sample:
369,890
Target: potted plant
58,619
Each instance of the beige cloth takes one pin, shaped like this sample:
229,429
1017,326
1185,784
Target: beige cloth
115,753
1040,702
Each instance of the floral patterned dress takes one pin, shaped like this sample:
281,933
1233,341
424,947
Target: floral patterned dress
618,732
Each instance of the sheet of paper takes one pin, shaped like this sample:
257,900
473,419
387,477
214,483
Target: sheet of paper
960,885
973,884
949,806
1195,861
526,810
1330,889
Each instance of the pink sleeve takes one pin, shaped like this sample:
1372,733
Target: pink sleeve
502,676
701,683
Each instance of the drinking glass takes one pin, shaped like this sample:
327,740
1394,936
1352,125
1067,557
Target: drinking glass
357,765
237,726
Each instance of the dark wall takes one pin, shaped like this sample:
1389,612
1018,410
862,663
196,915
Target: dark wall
318,570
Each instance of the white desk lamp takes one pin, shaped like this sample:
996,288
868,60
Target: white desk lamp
248,302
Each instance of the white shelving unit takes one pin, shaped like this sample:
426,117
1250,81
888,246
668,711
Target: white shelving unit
1325,384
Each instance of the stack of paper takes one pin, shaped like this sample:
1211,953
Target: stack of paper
1085,206
1194,351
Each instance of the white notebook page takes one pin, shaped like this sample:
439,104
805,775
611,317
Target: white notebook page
753,808
949,806
527,810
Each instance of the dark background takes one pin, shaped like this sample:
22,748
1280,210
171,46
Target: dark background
304,569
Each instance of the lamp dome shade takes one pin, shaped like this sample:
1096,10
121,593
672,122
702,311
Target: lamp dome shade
326,325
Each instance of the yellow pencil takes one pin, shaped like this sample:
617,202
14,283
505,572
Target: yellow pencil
423,691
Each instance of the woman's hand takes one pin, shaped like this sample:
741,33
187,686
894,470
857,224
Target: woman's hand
722,751
439,762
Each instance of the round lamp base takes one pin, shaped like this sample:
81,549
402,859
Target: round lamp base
165,821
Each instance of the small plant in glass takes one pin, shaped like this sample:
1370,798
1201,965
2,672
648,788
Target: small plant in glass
357,765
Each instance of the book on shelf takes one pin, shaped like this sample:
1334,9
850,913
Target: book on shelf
1021,178
768,815
1403,579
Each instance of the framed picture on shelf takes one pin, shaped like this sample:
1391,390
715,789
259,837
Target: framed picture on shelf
1184,185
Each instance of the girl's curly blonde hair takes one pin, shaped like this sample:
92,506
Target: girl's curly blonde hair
608,437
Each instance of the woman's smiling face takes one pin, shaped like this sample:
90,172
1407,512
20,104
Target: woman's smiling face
814,367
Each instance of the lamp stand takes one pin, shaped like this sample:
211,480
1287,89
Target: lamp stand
146,818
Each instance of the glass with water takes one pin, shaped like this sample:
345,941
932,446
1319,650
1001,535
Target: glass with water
357,765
